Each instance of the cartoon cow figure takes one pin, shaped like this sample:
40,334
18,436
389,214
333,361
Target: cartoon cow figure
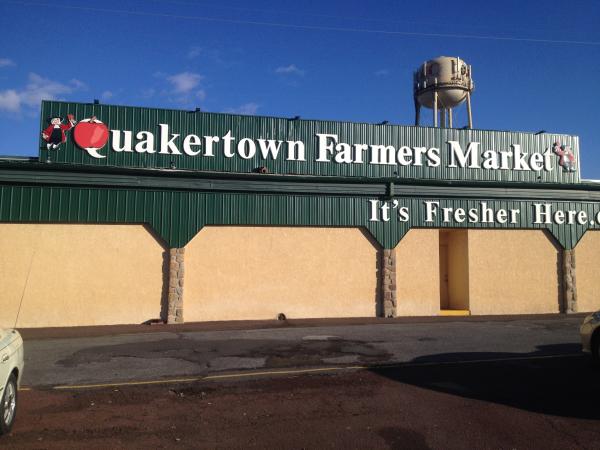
54,135
566,156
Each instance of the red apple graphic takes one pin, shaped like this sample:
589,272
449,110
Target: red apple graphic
91,135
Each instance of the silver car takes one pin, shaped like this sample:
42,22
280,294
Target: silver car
590,335
11,371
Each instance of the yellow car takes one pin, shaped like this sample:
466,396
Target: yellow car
11,371
590,335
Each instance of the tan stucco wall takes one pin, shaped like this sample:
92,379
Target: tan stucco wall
512,272
80,274
587,272
458,269
418,274
236,273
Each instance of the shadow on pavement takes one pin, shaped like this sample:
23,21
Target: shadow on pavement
555,379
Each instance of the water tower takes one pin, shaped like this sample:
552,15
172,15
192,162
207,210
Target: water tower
441,84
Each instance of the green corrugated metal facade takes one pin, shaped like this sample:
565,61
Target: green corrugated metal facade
66,185
183,123
178,215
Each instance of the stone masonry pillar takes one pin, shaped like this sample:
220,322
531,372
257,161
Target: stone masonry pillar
569,281
176,274
388,272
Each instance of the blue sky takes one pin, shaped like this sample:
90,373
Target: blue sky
536,65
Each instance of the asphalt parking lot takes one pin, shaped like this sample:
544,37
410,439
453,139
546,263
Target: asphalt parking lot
165,353
514,383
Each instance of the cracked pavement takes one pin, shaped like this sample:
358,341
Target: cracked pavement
165,354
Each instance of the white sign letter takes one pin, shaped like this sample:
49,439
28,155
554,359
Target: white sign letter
325,146
167,146
457,154
189,141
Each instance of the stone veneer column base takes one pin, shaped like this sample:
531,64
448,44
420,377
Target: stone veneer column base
569,281
176,274
388,272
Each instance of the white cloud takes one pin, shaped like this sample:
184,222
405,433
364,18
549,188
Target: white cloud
5,62
247,109
106,95
382,73
292,69
10,100
194,52
37,89
77,84
148,93
184,82
185,88
215,56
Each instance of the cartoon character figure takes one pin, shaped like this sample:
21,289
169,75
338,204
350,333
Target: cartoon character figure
566,156
54,135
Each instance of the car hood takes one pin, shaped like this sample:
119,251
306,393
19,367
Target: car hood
7,336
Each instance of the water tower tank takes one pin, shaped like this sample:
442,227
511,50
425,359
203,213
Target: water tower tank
441,84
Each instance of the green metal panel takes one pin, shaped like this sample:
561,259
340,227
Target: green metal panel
138,119
55,174
128,187
178,215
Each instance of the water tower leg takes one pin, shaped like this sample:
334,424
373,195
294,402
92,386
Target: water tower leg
435,109
469,109
450,117
417,113
443,117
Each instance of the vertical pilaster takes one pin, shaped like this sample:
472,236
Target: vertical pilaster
176,274
569,281
389,282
